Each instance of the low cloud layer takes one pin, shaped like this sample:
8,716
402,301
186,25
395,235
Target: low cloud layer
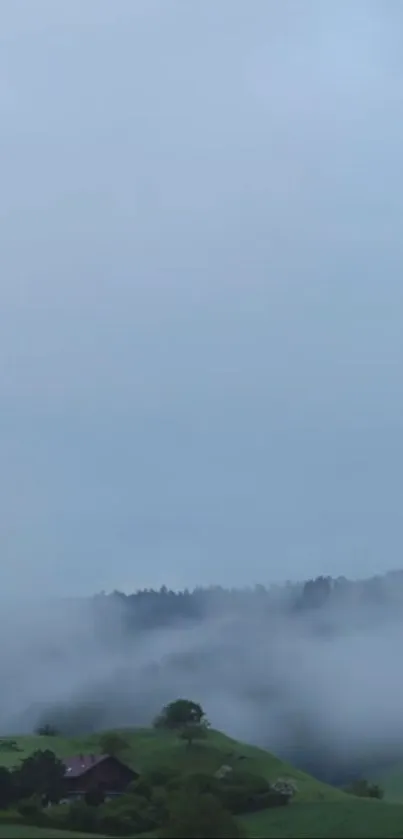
321,687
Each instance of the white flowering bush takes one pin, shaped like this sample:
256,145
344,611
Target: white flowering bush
285,786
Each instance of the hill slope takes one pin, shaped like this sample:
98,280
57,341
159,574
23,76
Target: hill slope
148,748
358,818
318,811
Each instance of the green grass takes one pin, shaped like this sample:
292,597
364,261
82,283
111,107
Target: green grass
21,831
318,811
148,748
358,818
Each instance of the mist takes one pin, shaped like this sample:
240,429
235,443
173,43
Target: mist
319,686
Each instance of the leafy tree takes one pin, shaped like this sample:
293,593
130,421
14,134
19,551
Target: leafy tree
112,743
198,816
47,730
316,593
180,713
193,731
40,774
6,788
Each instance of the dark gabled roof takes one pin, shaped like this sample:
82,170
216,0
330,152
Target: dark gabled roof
79,765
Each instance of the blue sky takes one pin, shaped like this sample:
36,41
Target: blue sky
201,292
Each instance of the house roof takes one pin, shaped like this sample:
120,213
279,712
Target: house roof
81,764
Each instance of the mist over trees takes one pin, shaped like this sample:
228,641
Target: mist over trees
149,608
308,670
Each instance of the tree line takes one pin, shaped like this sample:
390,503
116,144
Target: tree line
152,608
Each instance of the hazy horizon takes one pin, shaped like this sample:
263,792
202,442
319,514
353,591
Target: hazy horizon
201,303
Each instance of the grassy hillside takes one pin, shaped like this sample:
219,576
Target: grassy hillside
318,811
148,748
355,817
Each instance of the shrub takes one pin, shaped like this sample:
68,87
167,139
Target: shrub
176,783
223,771
200,817
47,730
7,788
363,789
113,824
123,816
30,809
7,745
375,791
160,806
75,816
199,782
285,786
159,776
245,792
58,815
94,797
134,812
239,792
10,817
272,799
83,818
142,787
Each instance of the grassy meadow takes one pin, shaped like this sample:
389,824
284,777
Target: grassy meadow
318,810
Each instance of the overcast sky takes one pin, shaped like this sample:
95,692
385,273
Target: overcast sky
201,294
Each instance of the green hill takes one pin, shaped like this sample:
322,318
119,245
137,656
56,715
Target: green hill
355,817
149,748
318,810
